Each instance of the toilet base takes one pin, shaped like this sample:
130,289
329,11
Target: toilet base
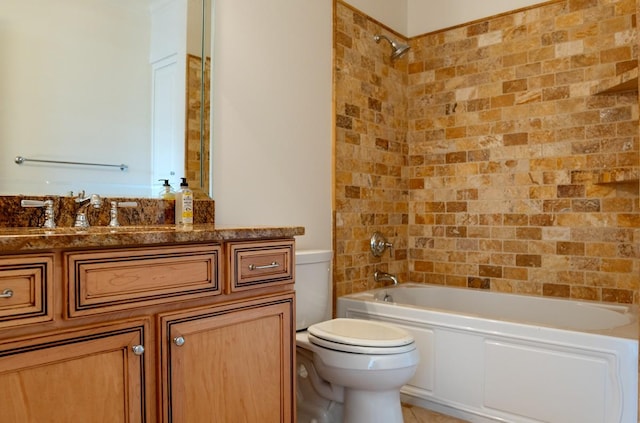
364,388
313,414
316,400
372,406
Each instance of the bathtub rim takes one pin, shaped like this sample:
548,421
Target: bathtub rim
629,331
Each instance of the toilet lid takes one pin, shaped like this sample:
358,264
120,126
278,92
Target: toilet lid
359,349
358,332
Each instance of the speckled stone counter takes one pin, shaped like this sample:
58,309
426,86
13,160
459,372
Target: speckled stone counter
15,240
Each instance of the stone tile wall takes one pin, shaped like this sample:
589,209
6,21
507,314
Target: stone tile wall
371,151
486,154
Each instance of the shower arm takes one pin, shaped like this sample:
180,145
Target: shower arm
398,49
377,39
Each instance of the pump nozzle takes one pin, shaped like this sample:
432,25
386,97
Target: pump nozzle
167,192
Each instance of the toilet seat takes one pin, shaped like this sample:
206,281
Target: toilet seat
361,337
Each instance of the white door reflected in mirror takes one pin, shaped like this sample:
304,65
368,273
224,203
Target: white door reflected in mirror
96,81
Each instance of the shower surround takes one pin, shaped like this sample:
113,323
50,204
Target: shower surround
488,155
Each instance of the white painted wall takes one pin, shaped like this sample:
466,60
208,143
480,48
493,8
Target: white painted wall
393,14
272,115
416,17
430,15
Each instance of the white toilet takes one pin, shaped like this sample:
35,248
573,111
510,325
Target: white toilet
348,370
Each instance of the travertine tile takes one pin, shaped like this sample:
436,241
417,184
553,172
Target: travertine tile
501,108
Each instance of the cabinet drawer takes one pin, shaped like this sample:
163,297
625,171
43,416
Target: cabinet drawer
256,264
25,290
110,280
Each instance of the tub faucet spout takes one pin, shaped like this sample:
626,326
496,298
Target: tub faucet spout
379,276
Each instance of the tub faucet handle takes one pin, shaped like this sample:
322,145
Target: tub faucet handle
379,243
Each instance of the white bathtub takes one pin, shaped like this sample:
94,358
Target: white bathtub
489,357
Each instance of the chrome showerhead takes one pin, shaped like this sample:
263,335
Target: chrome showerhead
398,48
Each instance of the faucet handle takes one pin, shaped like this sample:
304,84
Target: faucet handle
379,244
114,210
49,214
94,200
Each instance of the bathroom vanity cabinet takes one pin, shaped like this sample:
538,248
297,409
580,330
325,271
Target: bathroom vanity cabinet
186,332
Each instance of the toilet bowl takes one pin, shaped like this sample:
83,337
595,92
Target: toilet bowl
348,370
363,377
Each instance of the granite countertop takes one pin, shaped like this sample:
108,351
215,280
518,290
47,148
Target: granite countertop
13,240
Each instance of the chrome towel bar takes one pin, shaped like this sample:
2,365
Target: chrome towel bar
19,160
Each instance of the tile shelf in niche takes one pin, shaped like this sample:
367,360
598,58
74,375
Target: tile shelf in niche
625,82
618,175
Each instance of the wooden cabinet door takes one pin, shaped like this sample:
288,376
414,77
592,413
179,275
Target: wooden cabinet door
79,376
231,363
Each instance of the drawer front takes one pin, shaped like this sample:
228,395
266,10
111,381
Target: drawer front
256,264
110,280
25,290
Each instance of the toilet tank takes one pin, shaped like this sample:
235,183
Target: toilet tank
313,287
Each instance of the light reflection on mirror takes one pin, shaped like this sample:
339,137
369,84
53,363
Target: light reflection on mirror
105,82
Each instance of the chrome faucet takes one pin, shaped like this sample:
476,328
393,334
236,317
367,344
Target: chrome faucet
379,276
114,210
93,200
49,214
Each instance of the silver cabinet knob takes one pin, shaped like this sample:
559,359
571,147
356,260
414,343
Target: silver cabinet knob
179,341
138,349
7,293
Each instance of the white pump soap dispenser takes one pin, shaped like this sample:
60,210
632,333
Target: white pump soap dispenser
184,204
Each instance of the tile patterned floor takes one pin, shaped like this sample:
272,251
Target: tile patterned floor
413,414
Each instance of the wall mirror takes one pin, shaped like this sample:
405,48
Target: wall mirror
107,96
